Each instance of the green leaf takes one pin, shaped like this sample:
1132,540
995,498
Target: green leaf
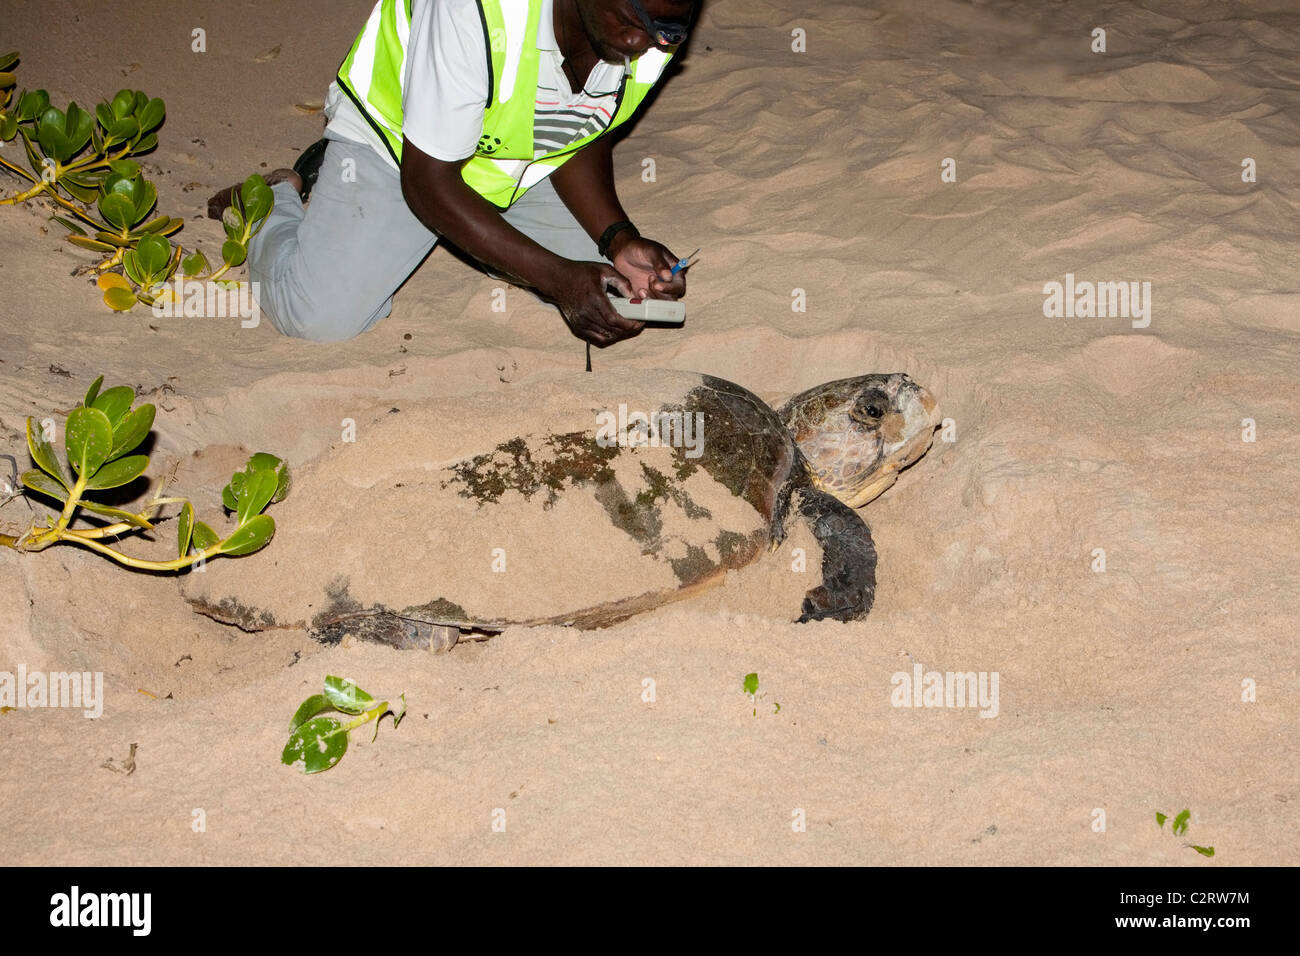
8,126
80,124
1203,850
8,60
751,684
152,115
32,104
88,177
1180,822
69,225
92,393
230,493
146,143
120,183
44,456
115,474
131,266
162,226
250,537
93,244
258,489
115,403
257,198
1160,819
265,461
50,133
118,210
232,220
33,157
75,189
347,696
111,238
309,708
204,537
233,252
126,168
145,197
88,439
131,430
123,103
268,462
40,481
119,299
104,113
196,263
184,527
153,252
122,130
320,743
117,514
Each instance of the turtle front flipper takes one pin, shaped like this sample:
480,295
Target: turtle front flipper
848,585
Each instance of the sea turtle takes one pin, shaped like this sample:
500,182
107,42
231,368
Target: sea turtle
618,492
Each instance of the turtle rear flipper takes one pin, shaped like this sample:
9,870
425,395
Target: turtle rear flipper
848,585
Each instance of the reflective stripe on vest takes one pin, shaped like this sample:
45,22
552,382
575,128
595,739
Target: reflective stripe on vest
503,167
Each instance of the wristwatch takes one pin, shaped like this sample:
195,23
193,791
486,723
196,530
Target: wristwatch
608,235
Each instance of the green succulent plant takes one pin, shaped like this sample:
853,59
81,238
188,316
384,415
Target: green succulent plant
98,438
8,118
124,201
83,162
244,218
318,743
55,140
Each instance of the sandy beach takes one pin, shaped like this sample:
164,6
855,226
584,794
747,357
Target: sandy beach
1108,525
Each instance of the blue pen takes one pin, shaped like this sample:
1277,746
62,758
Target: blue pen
687,261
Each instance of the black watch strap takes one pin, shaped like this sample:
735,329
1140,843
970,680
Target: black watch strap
608,235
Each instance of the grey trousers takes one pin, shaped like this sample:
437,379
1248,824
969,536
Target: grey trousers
328,270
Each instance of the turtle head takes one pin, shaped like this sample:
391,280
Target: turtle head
857,434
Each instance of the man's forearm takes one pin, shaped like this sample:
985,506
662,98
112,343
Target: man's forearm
585,184
440,199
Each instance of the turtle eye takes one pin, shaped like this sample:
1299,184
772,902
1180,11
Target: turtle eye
872,408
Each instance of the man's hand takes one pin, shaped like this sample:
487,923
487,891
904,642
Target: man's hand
578,289
647,266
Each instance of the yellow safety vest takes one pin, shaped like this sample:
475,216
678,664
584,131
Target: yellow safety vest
503,167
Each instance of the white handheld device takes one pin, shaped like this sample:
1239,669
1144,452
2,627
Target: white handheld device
650,310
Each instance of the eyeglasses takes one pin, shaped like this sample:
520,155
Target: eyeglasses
663,32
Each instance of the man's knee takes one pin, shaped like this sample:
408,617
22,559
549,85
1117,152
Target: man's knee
324,319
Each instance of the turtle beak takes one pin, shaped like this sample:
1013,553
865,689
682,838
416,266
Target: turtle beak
920,416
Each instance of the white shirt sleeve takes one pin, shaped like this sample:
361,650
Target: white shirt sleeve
446,87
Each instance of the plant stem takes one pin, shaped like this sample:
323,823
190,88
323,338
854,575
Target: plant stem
17,169
173,565
90,162
69,506
74,209
24,196
108,531
113,260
